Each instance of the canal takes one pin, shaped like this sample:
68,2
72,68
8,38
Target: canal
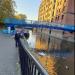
56,55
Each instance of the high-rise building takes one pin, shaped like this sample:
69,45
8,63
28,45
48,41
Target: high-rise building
64,12
66,16
46,10
59,11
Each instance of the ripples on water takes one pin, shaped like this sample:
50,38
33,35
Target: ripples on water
59,58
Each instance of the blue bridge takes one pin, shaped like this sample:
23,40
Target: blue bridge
37,24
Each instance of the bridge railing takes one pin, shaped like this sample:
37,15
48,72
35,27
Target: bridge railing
38,24
42,23
49,25
29,65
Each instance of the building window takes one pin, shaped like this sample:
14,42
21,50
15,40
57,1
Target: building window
54,1
52,20
62,17
59,10
65,1
58,18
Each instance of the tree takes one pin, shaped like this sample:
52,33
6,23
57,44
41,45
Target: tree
21,16
7,8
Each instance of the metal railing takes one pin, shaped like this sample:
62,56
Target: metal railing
29,65
38,24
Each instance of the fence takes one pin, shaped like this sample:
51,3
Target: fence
29,65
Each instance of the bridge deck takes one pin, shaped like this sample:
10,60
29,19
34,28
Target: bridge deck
8,56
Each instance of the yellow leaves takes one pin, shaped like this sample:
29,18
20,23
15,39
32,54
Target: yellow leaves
6,8
20,16
48,63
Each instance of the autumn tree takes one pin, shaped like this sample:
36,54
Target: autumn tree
21,16
7,8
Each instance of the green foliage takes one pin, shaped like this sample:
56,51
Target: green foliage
21,16
7,8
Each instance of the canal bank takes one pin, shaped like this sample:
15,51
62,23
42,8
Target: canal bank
57,58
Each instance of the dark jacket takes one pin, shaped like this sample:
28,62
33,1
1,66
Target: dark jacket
17,36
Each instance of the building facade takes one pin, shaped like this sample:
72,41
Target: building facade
46,10
64,12
57,11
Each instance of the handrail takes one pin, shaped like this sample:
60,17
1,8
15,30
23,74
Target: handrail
29,61
38,24
50,26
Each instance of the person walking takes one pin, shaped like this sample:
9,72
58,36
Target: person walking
17,38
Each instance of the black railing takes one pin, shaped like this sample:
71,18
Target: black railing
29,65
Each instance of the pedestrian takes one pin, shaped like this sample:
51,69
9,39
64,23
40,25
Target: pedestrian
22,33
17,38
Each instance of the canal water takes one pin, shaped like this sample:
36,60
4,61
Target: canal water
54,54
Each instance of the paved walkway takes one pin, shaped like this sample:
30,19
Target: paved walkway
8,56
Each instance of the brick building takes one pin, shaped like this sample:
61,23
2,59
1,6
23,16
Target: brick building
58,11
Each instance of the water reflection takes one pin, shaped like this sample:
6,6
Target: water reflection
31,40
41,44
59,58
49,64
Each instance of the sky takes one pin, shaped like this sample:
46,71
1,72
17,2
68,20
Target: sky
28,7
